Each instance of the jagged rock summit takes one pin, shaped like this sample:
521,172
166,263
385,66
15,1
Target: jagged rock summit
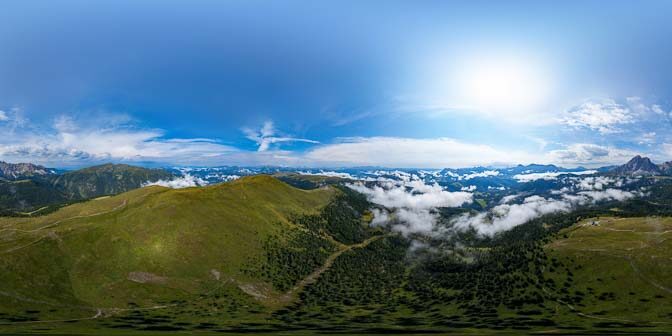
639,166
13,171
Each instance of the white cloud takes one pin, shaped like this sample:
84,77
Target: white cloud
267,135
596,182
641,108
508,199
647,138
70,140
604,116
420,195
504,217
413,221
185,181
548,175
486,173
329,174
380,217
590,155
412,203
667,149
413,153
609,194
3,116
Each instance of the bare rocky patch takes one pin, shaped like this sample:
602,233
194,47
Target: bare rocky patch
144,277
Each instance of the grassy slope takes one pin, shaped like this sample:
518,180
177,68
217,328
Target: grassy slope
623,267
81,255
620,266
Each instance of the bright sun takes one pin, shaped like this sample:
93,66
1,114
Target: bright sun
502,84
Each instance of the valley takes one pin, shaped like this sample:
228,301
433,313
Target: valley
257,255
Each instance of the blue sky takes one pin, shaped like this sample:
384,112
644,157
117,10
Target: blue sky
335,83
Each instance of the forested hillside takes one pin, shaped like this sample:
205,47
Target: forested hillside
35,189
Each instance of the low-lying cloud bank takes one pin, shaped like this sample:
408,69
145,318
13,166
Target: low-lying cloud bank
413,205
411,202
185,181
504,217
578,191
328,174
548,175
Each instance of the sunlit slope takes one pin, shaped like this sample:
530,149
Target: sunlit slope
148,245
621,268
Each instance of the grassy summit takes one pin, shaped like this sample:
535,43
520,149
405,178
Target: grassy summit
620,269
146,247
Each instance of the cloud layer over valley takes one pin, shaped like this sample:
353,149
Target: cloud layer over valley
185,181
410,206
411,202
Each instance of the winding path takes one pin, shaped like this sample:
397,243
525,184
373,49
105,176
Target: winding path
646,279
120,206
312,277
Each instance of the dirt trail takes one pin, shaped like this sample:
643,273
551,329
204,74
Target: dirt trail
646,279
122,205
628,258
312,277
34,211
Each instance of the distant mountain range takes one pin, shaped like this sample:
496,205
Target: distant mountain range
107,179
26,187
16,171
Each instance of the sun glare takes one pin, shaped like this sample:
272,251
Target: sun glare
502,84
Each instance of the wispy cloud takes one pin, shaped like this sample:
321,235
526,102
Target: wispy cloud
604,116
267,135
548,175
70,140
627,117
590,155
407,152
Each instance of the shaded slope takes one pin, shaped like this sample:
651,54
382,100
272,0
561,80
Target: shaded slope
40,187
25,195
107,179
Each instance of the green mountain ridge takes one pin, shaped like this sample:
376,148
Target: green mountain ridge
109,248
37,190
